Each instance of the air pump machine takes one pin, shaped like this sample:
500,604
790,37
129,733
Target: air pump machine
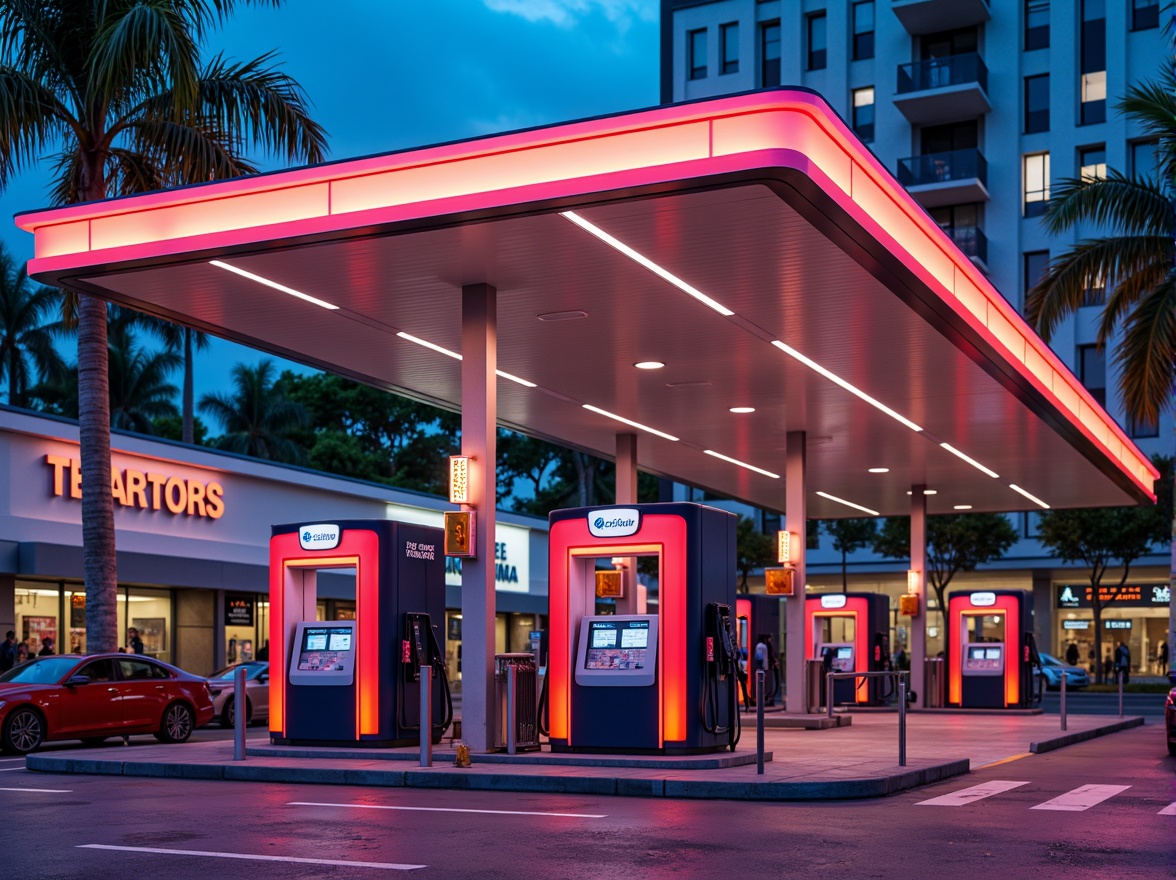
989,649
356,682
851,633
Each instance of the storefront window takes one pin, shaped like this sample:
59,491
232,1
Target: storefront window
58,612
37,616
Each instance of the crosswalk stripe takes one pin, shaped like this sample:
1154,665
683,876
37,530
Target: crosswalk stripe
969,795
1169,810
1082,798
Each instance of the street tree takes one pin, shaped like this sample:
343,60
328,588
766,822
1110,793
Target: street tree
849,536
753,549
116,89
257,419
28,324
956,543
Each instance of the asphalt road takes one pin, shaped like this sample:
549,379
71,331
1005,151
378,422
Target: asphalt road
1106,808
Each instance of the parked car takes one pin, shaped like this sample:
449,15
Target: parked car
92,698
220,684
1170,720
1052,669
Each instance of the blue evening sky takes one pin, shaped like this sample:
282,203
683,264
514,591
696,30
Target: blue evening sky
391,74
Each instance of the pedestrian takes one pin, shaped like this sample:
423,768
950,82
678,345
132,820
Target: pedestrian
22,653
1123,662
263,652
8,651
1162,657
1072,654
748,702
1108,666
134,643
46,647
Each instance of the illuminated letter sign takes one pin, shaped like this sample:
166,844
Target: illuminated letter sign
614,522
320,536
983,600
143,489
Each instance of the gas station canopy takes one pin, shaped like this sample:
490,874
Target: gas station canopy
749,244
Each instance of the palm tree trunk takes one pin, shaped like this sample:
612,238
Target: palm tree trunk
97,502
189,429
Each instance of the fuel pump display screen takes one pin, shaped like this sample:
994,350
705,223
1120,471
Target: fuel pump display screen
984,659
324,654
617,651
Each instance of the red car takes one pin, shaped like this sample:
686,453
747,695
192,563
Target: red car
91,698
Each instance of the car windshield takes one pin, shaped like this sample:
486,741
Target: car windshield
44,670
253,670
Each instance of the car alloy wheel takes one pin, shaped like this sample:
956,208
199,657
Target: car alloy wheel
177,723
25,731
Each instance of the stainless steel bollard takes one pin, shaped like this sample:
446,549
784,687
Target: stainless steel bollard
1063,698
902,692
426,716
829,693
512,720
759,722
240,701
1120,676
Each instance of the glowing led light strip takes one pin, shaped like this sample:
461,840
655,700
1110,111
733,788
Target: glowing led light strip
849,504
273,284
457,357
833,377
1032,498
632,424
647,263
970,461
742,464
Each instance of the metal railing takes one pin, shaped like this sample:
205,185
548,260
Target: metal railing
900,676
943,167
969,239
936,73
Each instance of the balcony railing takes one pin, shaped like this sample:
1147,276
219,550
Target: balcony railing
971,240
936,73
943,167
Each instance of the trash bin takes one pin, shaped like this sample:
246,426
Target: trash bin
814,685
933,681
526,705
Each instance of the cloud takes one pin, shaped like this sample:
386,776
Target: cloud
566,13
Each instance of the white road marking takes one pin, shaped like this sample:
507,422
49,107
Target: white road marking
449,810
975,793
41,790
10,769
9,760
1169,810
251,857
1082,798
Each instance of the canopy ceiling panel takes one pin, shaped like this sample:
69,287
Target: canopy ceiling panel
836,307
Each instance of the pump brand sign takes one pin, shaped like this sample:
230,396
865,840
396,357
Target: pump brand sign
321,536
615,522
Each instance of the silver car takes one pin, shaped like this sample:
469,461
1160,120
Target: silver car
220,683
1052,669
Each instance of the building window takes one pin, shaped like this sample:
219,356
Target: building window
729,45
770,54
817,42
1036,24
696,49
1142,428
863,113
1145,14
863,30
1094,62
1095,293
1092,163
1036,103
1036,176
1143,158
1036,265
1092,371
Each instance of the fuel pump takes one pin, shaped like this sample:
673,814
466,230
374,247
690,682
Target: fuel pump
420,648
882,662
722,674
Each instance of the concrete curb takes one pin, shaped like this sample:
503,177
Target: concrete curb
436,778
1069,739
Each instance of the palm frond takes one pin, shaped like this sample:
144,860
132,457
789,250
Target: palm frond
1153,264
188,151
1147,356
1127,205
147,46
133,172
28,119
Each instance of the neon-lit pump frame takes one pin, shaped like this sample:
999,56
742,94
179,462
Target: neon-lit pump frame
959,608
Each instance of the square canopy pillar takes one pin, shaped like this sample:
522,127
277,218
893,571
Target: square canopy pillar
795,513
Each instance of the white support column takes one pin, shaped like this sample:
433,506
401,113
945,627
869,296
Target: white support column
626,485
795,494
918,631
479,416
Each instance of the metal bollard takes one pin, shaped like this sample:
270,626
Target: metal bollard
759,722
240,701
829,694
512,721
1120,677
426,716
1063,698
902,692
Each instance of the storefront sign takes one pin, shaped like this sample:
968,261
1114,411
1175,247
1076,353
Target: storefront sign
1116,624
238,609
1075,624
143,489
1129,596
512,557
77,611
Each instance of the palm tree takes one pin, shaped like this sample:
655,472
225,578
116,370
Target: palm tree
257,418
116,86
1136,257
26,331
139,390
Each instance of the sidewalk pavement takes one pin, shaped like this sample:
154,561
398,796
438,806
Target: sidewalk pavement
853,761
